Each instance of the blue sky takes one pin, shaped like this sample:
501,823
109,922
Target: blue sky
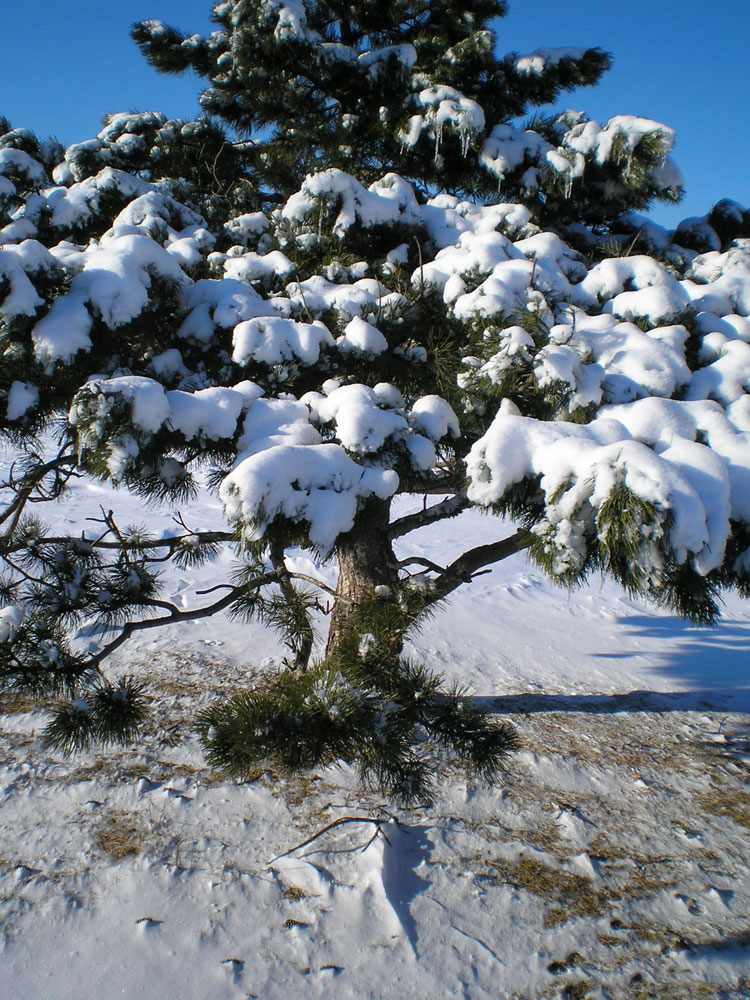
685,64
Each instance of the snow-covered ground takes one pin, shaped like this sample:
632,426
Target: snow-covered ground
611,861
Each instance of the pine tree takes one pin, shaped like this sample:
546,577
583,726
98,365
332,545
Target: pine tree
359,275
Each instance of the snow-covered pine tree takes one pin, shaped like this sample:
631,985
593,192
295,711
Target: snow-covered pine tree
360,276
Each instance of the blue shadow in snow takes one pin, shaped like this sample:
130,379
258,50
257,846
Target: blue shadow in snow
405,850
708,667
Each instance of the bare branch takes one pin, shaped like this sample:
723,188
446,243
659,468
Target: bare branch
419,561
175,616
378,822
302,646
469,565
449,507
141,545
24,488
314,581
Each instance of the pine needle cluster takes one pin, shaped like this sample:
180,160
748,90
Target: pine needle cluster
370,708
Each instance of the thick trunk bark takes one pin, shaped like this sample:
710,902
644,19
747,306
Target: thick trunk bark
366,561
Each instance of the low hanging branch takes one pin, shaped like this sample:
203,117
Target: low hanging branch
176,616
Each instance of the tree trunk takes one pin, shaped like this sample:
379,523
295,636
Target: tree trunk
366,561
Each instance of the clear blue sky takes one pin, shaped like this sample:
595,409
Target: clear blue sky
65,64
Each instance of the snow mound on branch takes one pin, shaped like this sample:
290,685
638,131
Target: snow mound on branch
22,397
631,287
206,415
445,106
535,63
387,202
272,422
22,298
362,418
665,423
634,363
219,303
362,337
727,277
434,417
590,138
257,267
80,203
363,298
210,413
113,285
571,142
508,147
291,20
580,466
16,161
445,217
513,287
377,60
319,486
480,253
155,214
272,340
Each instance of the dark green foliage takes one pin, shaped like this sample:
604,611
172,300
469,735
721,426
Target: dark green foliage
688,594
329,108
624,523
106,713
37,660
289,613
368,708
625,181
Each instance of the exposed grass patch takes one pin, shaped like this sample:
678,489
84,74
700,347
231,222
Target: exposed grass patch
294,892
120,836
568,895
733,804
681,991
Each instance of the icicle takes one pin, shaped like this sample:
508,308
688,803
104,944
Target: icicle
465,138
438,140
568,184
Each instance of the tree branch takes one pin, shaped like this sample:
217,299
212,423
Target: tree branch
24,489
176,616
378,822
301,645
143,545
468,565
449,507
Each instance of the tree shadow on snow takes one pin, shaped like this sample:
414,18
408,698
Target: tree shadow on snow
708,667
407,848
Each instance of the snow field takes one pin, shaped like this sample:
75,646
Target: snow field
610,857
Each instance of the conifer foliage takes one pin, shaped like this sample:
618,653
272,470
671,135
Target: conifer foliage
372,268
